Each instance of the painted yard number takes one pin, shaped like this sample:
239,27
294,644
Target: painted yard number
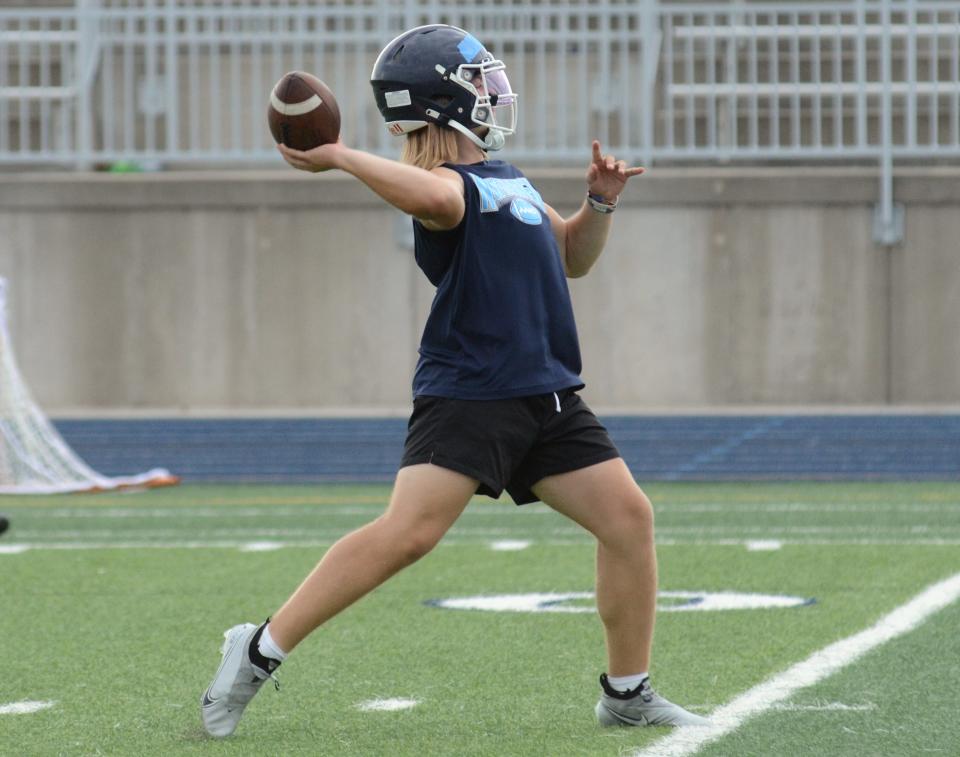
580,601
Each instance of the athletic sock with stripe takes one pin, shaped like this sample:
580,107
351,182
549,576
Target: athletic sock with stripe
624,684
264,651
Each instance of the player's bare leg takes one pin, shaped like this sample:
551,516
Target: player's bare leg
425,503
606,501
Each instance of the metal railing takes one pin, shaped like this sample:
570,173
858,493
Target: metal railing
185,82
168,82
858,80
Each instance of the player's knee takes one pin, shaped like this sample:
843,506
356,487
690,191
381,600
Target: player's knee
632,521
416,542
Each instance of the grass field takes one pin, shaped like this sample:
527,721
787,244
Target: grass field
113,606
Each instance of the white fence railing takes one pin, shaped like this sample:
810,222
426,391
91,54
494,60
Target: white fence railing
184,82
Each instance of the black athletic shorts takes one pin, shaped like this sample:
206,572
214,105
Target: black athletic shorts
507,444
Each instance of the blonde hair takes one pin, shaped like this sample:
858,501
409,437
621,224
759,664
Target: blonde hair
429,147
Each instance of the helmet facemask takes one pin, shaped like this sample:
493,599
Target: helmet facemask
495,104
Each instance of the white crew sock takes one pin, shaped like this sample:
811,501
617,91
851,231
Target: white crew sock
620,683
269,648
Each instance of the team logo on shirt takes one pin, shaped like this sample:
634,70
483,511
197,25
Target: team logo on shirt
525,202
523,210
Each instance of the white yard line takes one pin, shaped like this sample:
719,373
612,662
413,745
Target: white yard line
387,705
510,545
838,542
804,507
224,512
825,707
94,545
457,540
820,665
24,708
262,546
486,510
666,534
764,545
768,531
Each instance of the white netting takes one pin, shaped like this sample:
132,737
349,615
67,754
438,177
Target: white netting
34,458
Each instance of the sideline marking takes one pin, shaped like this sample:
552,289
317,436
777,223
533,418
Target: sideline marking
821,664
13,549
510,545
24,708
387,705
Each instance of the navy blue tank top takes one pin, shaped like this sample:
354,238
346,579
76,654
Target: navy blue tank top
501,324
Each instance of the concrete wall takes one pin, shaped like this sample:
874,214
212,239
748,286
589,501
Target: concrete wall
265,291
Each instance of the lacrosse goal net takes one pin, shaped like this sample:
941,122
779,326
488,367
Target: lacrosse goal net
34,458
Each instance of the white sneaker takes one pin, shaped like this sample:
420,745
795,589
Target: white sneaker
236,681
641,706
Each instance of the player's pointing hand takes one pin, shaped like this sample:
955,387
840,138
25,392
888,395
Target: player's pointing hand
607,176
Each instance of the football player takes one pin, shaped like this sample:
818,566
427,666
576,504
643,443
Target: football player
496,404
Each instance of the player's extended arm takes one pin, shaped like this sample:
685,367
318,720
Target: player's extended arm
581,237
434,197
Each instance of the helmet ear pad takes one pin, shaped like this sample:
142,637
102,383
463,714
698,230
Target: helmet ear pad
453,100
445,106
441,102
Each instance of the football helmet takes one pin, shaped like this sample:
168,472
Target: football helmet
441,74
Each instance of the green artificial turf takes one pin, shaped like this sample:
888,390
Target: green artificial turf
116,607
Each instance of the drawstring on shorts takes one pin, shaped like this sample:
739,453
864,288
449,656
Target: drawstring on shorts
557,400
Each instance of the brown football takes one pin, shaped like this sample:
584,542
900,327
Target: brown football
303,112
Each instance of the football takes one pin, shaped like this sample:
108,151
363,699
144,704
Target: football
303,112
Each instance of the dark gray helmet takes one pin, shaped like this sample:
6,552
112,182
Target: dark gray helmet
441,74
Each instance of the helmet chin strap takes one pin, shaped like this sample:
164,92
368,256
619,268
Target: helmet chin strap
493,140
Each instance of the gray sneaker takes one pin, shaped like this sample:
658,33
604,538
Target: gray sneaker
236,681
641,706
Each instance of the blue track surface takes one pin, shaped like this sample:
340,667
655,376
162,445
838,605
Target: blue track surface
684,448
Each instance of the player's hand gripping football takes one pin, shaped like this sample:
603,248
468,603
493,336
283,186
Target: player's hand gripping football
321,158
607,176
